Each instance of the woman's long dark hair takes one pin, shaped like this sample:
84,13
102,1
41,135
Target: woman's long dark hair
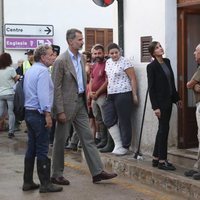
5,60
152,47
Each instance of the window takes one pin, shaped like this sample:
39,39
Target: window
145,42
103,36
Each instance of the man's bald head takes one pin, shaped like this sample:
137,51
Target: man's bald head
197,54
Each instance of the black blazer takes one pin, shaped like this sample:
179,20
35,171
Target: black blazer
159,90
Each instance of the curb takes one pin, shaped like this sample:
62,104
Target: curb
142,171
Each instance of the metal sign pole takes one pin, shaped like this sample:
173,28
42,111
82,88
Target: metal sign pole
1,26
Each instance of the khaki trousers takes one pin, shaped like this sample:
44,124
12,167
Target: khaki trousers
81,124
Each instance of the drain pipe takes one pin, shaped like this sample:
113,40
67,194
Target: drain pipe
1,26
121,24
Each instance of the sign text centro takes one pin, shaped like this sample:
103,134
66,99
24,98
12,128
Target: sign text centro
25,43
28,30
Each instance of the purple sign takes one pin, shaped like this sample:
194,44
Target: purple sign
25,43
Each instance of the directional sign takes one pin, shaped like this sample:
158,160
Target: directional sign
25,43
28,30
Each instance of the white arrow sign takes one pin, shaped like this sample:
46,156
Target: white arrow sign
28,30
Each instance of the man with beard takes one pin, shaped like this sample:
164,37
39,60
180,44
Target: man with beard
70,106
98,93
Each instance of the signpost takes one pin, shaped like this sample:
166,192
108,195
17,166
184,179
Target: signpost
25,43
28,30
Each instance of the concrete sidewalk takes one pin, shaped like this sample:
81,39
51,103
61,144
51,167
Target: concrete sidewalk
141,170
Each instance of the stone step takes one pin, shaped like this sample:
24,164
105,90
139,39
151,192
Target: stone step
183,157
141,170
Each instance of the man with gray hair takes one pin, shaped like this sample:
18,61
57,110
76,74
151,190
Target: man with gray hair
194,84
70,106
38,93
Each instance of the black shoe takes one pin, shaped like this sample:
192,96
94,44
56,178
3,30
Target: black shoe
190,172
11,135
166,166
155,163
196,176
103,176
60,181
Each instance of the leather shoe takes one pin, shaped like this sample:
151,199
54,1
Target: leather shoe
103,176
190,172
196,176
166,166
60,180
11,135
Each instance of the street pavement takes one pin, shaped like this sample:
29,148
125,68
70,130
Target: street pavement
81,188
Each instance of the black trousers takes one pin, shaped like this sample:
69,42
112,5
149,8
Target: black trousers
161,143
120,112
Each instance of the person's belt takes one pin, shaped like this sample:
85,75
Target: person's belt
30,108
33,110
81,94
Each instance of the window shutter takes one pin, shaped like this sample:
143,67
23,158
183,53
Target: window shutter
145,42
101,36
89,39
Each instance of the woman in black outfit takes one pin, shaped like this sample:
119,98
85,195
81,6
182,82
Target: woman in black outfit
162,94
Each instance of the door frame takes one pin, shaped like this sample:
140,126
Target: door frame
184,114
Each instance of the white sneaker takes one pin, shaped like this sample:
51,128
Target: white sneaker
120,151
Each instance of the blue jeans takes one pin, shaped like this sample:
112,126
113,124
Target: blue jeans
7,100
38,135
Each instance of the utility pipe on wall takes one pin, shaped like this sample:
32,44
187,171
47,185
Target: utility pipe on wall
121,24
1,25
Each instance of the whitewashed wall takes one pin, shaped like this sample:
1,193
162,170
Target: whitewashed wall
156,18
61,14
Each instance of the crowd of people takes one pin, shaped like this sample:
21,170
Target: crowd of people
88,97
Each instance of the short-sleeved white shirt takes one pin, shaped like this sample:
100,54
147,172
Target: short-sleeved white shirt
7,82
118,80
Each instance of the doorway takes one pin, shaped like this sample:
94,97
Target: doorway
188,38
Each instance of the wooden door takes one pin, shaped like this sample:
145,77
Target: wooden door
188,38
